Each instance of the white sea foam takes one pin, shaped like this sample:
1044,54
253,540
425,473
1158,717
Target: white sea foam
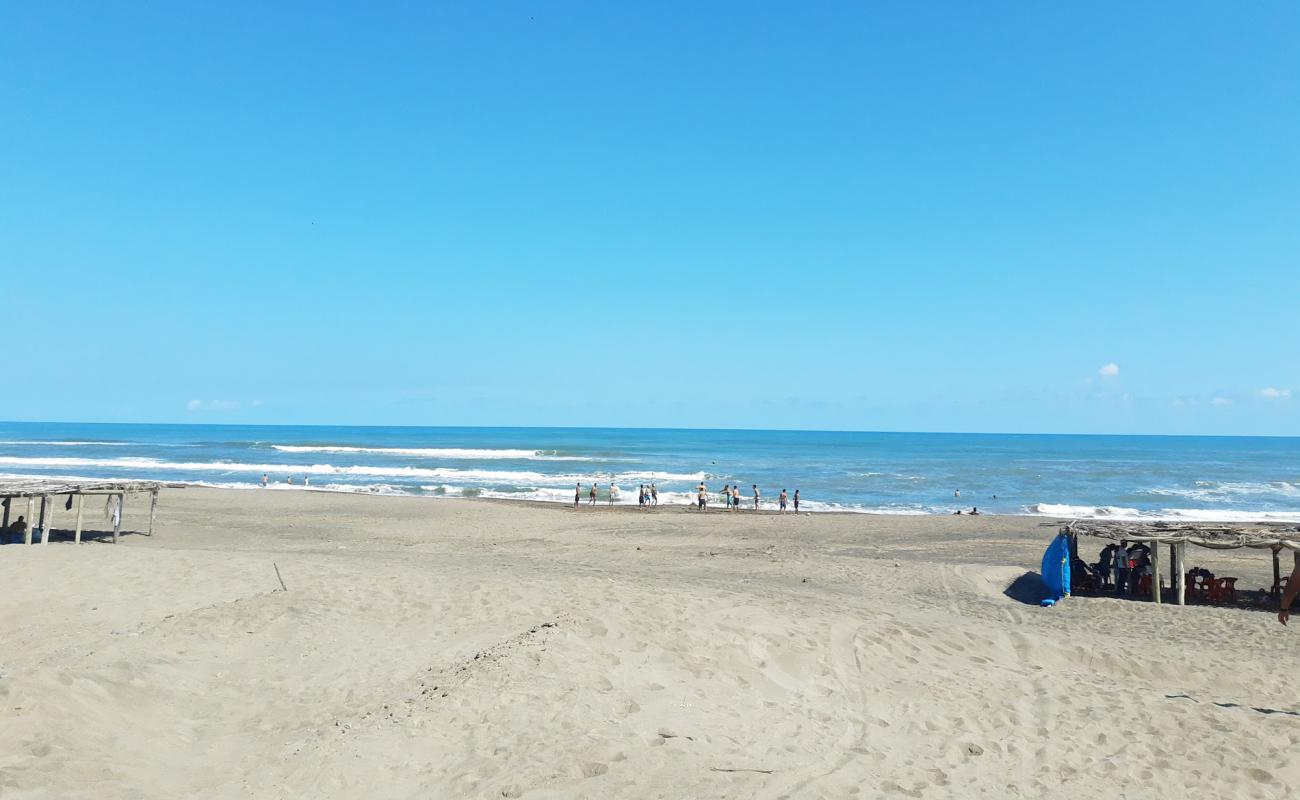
1227,491
509,477
434,452
1180,514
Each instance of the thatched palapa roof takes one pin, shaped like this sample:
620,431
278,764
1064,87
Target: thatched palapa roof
37,487
1216,536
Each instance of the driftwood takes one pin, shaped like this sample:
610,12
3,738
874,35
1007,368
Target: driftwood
277,576
742,769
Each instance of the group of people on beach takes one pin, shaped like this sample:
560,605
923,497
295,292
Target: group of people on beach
648,496
1124,565
731,498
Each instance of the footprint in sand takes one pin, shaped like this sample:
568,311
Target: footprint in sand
591,769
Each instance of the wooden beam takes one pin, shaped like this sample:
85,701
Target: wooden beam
27,533
45,501
1277,575
81,505
117,519
5,525
48,522
1180,579
1155,574
153,507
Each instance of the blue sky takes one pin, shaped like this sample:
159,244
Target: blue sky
869,216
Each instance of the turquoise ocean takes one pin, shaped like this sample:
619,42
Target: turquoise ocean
1213,478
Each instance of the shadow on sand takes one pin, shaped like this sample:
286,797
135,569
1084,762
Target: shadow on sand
1028,589
60,535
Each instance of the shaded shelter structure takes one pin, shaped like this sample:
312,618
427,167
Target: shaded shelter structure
1275,537
48,490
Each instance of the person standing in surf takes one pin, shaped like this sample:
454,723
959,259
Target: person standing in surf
756,494
654,495
796,501
591,498
781,500
577,494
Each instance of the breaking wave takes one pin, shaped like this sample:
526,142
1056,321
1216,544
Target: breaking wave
492,476
434,452
1170,514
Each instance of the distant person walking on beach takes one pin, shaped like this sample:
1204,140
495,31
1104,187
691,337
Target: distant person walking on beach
735,497
640,495
264,480
726,495
654,495
756,497
613,492
796,501
703,497
577,494
591,501
781,500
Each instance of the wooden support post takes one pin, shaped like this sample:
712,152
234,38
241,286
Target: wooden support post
48,521
117,520
81,505
1155,574
5,525
1277,575
27,534
153,507
1180,565
45,501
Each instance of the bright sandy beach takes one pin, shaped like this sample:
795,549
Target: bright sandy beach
454,648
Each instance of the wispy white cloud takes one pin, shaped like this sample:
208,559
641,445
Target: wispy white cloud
212,405
1221,402
1109,371
1271,393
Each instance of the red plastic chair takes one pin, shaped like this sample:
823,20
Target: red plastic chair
1225,589
1202,588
